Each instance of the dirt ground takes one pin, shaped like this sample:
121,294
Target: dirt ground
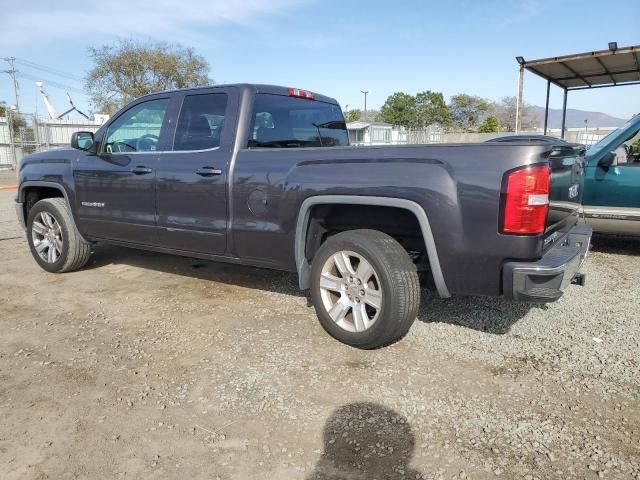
151,366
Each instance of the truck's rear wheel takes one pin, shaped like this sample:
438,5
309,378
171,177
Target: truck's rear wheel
365,288
54,241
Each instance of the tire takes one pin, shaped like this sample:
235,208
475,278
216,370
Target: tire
388,303
50,227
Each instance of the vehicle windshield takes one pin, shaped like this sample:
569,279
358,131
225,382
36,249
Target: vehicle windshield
609,141
291,122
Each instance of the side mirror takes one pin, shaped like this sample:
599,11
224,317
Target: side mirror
82,140
606,161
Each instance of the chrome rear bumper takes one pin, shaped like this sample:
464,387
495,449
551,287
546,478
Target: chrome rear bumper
544,280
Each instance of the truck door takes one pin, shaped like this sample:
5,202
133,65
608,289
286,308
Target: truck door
115,189
192,177
612,188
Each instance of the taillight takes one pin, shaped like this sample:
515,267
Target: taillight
296,92
527,200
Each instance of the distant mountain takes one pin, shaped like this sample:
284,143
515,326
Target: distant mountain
576,118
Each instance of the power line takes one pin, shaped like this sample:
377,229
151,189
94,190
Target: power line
51,70
51,83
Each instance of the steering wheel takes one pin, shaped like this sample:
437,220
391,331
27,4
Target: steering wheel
146,142
119,146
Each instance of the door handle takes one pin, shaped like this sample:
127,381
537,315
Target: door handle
140,170
208,171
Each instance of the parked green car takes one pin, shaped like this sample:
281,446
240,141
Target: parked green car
611,197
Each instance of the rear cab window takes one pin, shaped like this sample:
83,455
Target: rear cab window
279,121
200,122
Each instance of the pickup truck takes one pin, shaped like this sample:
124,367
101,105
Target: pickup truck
265,176
612,182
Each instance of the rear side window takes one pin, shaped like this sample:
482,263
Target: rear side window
200,122
291,122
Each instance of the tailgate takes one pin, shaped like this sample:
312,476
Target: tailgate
565,191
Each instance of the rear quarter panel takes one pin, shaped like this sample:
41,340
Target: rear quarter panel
458,186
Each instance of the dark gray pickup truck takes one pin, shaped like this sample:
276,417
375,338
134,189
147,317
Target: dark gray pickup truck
263,175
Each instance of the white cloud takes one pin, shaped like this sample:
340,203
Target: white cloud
27,23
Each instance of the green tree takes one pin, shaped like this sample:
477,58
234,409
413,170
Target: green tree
467,111
490,125
3,109
352,115
432,109
126,70
400,110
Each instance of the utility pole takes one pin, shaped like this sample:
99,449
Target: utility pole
519,99
365,92
12,72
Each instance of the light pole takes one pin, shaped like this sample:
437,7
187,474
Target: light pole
365,93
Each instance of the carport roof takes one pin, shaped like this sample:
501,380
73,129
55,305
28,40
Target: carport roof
603,68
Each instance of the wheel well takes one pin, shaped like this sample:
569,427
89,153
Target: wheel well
399,223
34,194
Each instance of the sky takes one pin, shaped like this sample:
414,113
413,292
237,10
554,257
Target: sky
334,47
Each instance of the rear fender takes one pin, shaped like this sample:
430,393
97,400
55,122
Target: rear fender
303,266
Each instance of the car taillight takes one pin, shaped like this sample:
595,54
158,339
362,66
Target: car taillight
296,92
526,200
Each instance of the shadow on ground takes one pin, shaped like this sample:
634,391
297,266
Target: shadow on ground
486,314
238,275
616,245
366,440
494,315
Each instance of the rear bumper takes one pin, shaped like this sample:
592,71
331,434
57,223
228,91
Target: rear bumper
20,214
544,280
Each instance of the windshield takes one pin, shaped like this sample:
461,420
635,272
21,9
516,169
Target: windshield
611,141
291,122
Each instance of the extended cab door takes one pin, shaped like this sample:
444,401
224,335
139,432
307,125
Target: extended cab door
192,177
115,189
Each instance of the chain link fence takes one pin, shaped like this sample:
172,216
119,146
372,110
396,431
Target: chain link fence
22,134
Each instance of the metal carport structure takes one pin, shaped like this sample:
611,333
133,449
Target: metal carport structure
613,67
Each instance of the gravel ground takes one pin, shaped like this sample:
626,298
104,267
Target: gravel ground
152,366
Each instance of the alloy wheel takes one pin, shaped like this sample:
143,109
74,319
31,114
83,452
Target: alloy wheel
47,237
350,290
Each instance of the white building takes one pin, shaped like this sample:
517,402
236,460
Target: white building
369,133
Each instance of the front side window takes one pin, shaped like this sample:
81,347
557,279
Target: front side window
200,122
291,122
137,129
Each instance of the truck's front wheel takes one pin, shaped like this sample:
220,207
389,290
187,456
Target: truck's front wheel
365,288
54,241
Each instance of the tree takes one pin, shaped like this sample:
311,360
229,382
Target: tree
126,70
467,111
400,110
372,115
505,111
3,109
432,109
352,115
490,125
